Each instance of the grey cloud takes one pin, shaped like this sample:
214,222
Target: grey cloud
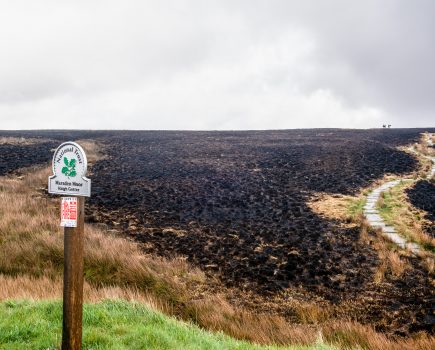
217,64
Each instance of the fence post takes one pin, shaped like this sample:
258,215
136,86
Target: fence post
73,282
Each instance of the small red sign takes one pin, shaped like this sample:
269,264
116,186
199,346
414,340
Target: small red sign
69,212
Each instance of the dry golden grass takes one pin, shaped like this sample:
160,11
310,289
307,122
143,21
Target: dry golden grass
19,140
397,264
421,152
312,313
347,334
391,262
423,149
423,145
429,263
31,263
332,206
93,150
364,231
36,288
217,314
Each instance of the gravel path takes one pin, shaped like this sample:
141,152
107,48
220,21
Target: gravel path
375,220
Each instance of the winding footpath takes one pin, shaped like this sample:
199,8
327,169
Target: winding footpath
376,221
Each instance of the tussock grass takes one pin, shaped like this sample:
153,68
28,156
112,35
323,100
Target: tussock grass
392,261
347,334
365,228
312,313
397,264
31,264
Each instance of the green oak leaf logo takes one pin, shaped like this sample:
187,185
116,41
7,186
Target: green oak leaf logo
70,167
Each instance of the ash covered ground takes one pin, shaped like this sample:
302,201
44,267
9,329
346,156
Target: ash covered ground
234,204
236,201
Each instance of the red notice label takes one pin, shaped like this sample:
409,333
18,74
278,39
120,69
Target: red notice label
68,212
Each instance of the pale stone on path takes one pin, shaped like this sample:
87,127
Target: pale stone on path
375,220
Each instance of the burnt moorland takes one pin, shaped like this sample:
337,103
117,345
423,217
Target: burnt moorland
14,157
235,204
422,196
18,154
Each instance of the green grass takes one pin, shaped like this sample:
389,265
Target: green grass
113,325
355,207
392,201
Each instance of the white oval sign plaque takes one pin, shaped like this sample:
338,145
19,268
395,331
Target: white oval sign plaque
69,170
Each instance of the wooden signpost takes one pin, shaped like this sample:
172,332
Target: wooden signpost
69,170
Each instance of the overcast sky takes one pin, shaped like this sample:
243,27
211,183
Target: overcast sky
204,64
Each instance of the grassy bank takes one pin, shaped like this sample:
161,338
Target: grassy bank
110,325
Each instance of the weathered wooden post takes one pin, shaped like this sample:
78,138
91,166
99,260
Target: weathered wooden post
69,170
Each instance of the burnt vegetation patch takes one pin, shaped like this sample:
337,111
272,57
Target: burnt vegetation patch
235,202
422,196
14,157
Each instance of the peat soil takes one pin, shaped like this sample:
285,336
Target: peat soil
234,204
14,156
422,196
